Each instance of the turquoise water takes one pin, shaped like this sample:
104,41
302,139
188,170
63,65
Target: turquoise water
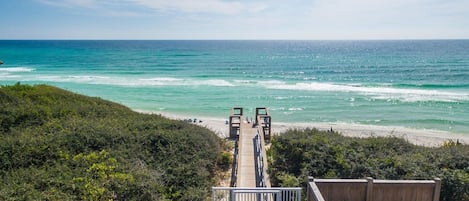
420,84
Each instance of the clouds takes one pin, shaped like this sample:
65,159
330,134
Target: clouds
172,6
71,3
202,6
375,19
245,19
399,11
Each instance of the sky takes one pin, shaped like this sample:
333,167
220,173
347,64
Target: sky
234,19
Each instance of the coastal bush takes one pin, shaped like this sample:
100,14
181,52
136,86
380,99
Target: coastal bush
57,145
321,154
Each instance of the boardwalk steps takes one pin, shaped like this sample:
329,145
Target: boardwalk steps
250,180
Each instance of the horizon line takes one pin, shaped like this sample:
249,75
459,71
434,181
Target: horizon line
188,39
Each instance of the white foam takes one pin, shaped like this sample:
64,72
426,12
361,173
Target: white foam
74,78
272,83
277,109
17,69
87,78
7,76
133,82
415,98
245,81
380,92
218,83
169,81
162,79
156,81
283,97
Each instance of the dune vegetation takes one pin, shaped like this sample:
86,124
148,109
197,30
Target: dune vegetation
58,145
297,154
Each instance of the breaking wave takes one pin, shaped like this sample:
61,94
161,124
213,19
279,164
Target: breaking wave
130,81
375,92
16,69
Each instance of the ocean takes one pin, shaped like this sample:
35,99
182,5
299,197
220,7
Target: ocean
421,84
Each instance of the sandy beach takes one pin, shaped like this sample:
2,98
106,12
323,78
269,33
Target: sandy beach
423,137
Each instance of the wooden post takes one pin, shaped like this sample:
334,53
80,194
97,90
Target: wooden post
369,189
235,126
264,120
308,188
261,111
437,189
267,128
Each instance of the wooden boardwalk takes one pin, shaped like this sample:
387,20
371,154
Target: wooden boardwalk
249,179
246,160
250,169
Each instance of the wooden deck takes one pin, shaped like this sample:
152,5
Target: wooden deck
246,164
250,164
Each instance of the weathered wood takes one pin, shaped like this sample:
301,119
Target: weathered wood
264,121
246,167
235,126
264,161
352,190
252,161
374,190
436,193
237,111
369,189
313,192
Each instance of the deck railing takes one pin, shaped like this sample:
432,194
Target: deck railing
255,194
373,190
264,122
261,172
234,166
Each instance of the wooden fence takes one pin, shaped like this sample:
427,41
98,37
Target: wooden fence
373,190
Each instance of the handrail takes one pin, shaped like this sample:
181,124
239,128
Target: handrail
234,166
313,192
259,162
270,194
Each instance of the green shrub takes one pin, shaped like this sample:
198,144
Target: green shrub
57,145
225,161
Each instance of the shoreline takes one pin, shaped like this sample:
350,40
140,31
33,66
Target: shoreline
422,137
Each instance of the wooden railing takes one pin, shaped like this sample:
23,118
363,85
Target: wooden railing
235,122
264,122
373,190
234,166
261,161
